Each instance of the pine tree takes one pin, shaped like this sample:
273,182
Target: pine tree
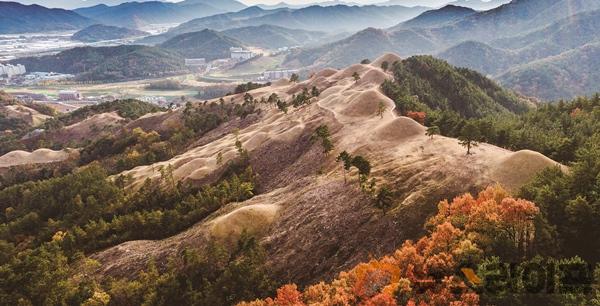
432,131
384,199
469,136
346,158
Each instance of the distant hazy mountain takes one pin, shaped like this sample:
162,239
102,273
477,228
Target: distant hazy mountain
570,32
73,4
436,18
339,18
219,21
100,32
136,14
514,18
298,6
224,5
569,74
479,5
502,54
19,18
559,61
272,37
503,43
109,63
207,44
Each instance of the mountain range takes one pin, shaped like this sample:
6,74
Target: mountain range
338,18
138,14
496,42
479,5
226,5
233,5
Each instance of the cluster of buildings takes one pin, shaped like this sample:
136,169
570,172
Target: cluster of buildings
9,70
273,75
18,75
33,78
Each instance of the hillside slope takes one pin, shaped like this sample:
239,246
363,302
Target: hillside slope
310,221
207,43
567,75
501,54
273,37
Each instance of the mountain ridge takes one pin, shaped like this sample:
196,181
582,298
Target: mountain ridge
206,44
99,32
18,18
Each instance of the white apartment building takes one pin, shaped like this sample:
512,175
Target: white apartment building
12,70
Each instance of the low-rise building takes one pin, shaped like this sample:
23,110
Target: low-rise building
272,75
239,54
69,95
27,96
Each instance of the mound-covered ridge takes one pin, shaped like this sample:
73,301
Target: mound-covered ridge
312,218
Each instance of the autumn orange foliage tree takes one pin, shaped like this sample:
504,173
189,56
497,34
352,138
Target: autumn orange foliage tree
417,116
426,272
